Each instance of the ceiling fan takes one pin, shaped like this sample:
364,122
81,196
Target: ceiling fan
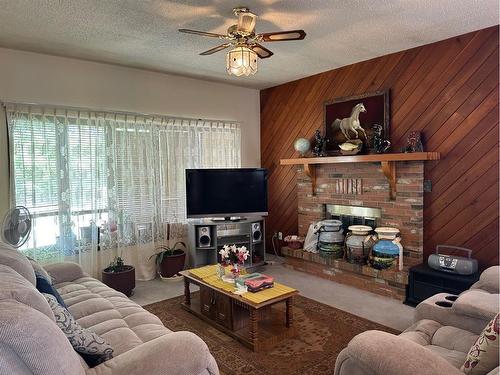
242,59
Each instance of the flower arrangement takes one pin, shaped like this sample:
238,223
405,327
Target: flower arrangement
233,255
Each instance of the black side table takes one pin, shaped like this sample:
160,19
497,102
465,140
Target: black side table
424,282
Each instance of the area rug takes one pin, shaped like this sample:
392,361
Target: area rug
323,332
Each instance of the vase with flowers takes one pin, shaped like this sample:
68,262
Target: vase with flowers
233,256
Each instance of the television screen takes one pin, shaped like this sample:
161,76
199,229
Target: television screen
226,192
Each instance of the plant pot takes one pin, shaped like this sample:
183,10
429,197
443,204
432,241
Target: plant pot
173,264
123,281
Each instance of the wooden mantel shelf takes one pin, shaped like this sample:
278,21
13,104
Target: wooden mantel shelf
388,162
372,158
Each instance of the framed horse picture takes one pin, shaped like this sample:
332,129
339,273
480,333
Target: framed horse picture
357,117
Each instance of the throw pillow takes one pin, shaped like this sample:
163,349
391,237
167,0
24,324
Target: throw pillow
44,286
483,356
93,349
40,270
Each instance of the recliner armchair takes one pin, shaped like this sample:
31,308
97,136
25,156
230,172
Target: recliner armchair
438,341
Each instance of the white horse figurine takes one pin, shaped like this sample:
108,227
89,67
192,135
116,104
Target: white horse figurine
351,123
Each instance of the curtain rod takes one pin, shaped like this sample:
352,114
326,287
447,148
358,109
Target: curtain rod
4,104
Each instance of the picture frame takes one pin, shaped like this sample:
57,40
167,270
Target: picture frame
377,106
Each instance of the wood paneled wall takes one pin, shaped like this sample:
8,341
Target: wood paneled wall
449,91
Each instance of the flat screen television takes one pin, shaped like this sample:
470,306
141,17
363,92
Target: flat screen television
226,192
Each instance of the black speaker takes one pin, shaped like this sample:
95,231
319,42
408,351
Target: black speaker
204,237
256,232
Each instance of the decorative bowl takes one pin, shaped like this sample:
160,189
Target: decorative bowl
347,148
294,242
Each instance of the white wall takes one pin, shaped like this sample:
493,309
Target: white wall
35,78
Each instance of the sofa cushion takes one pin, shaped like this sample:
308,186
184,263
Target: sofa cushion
17,261
454,357
15,287
452,344
448,342
453,338
31,343
421,332
88,344
483,355
119,321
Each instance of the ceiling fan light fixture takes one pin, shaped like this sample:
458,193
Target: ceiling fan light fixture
245,42
241,61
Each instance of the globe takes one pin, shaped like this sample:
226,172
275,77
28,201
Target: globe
302,145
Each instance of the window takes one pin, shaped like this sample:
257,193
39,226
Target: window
107,179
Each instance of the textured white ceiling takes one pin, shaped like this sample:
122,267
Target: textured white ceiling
143,33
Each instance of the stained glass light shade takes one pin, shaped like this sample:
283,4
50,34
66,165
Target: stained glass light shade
241,61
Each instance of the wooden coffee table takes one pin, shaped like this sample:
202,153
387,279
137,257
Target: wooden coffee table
259,326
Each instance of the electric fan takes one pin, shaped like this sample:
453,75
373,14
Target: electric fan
16,226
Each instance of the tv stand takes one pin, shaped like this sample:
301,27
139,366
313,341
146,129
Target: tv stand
228,218
206,237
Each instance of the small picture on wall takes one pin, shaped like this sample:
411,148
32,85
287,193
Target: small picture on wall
351,118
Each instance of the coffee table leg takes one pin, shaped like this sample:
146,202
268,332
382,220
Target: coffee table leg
254,336
187,293
289,312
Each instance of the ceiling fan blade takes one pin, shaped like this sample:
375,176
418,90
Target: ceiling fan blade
280,36
215,49
261,51
203,33
246,22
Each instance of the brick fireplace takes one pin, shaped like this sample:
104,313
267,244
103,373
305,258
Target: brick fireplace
363,184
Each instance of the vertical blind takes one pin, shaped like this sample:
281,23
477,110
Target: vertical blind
77,170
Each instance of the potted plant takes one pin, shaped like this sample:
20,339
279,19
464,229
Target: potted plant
119,276
170,260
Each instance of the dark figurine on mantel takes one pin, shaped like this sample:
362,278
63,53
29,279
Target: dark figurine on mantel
414,142
319,144
380,145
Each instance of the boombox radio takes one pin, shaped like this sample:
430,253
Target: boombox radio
452,263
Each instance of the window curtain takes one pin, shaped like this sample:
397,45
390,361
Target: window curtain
100,185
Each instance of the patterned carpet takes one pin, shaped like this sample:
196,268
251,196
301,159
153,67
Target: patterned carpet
323,332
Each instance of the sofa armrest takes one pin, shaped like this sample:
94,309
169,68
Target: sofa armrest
463,312
64,272
477,304
177,353
381,353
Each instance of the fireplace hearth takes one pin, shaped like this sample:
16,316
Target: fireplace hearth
365,202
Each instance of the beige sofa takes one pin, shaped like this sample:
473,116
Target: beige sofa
438,341
31,342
